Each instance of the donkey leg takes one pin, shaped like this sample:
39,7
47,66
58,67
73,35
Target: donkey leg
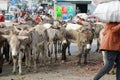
35,61
85,56
113,71
79,59
51,52
1,62
55,45
43,55
69,49
59,46
98,44
35,64
29,59
6,51
14,64
48,50
10,57
64,46
80,51
20,63
26,57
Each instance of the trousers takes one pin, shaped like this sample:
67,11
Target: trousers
111,57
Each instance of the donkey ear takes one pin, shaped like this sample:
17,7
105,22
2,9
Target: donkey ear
6,36
17,29
22,37
31,29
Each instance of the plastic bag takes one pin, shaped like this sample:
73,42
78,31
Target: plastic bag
96,2
108,12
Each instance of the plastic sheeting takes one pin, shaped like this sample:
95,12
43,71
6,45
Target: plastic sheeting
96,2
108,12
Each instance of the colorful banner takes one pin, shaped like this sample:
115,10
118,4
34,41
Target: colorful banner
70,11
64,12
64,17
58,12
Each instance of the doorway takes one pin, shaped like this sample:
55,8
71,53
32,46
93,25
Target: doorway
82,7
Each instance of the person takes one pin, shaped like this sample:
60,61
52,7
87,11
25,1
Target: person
81,20
78,10
92,18
15,18
2,18
46,9
21,18
27,16
51,19
110,43
88,12
43,14
37,18
71,19
51,11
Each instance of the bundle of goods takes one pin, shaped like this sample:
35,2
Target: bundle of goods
108,11
96,2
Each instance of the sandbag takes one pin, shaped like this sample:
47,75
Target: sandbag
108,12
96,2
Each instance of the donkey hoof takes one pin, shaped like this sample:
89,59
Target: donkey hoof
78,63
50,62
113,72
85,63
28,69
69,54
56,60
63,61
48,54
35,71
20,73
14,72
0,70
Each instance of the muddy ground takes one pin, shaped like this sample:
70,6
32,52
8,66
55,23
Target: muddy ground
60,71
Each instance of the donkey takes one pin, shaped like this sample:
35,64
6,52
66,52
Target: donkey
83,38
55,37
15,43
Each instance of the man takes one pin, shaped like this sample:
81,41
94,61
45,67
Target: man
88,12
110,43
78,10
2,18
37,18
51,11
27,16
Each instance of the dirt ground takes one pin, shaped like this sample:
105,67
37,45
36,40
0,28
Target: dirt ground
60,71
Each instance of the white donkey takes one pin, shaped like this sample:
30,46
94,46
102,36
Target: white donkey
15,45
